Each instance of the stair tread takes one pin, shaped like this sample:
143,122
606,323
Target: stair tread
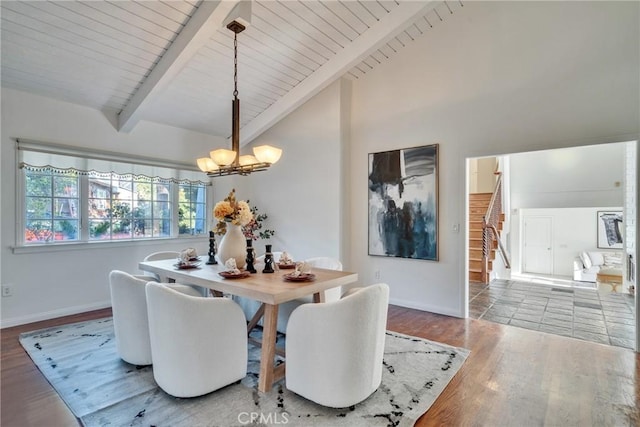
478,205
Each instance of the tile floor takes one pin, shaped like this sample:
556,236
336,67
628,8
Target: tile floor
572,309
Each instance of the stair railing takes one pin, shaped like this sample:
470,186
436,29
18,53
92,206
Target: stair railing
490,233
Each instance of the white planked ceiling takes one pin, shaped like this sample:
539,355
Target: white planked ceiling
171,61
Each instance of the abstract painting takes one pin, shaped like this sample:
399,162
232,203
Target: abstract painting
403,203
610,229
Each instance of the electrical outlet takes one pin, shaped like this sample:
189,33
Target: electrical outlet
7,290
376,274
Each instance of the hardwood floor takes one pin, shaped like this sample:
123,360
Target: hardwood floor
513,377
26,398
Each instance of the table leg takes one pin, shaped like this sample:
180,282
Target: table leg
256,318
269,332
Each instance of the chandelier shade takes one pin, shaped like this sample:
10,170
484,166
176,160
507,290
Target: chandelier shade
222,162
248,159
223,157
206,164
267,153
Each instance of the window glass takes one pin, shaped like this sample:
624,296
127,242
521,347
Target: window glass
124,207
191,209
64,203
51,207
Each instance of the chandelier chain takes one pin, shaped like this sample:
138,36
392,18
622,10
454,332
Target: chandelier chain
235,65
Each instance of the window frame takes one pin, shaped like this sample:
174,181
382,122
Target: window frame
206,218
21,245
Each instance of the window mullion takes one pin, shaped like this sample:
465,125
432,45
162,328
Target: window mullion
174,202
84,207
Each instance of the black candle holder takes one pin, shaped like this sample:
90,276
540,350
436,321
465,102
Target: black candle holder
250,257
268,260
212,248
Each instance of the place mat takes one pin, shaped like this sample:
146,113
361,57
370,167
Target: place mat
229,275
304,277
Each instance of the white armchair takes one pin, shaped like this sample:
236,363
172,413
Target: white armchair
333,294
130,324
276,258
198,344
353,328
155,256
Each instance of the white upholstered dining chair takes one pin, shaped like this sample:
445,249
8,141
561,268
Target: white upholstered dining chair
156,256
276,257
333,294
329,263
198,344
130,324
353,328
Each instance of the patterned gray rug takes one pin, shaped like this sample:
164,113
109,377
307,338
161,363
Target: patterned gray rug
81,363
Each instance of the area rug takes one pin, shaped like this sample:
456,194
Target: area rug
81,363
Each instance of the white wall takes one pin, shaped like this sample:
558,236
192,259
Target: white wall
482,178
497,77
55,283
302,193
572,177
573,230
589,177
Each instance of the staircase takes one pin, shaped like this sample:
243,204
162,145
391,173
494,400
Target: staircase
478,204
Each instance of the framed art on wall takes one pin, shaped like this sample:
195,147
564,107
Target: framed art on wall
403,203
609,229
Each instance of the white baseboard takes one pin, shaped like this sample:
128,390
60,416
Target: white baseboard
423,307
22,320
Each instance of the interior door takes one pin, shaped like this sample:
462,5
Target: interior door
538,256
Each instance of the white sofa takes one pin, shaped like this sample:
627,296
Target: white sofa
587,265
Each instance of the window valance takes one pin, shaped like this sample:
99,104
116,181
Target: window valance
43,156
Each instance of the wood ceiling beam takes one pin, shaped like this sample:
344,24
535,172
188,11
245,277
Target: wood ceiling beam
206,20
384,30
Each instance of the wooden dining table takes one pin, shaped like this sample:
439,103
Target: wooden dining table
271,289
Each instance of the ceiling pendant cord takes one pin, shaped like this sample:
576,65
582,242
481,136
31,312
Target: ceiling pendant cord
235,104
235,65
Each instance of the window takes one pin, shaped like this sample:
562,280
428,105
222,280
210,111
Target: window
72,199
192,210
122,207
51,207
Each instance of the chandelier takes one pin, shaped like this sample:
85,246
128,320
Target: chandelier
224,162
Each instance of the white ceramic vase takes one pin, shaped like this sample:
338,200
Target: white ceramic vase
233,245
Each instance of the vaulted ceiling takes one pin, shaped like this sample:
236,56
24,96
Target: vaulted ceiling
171,61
